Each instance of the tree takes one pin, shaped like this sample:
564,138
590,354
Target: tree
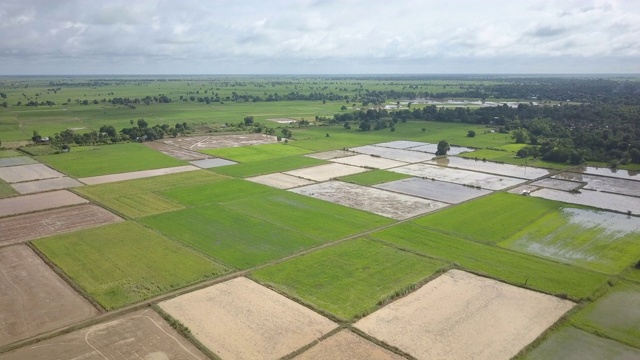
520,136
248,121
443,147
36,137
635,155
343,108
471,133
142,123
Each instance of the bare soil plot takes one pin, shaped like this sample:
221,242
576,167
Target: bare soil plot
326,172
211,163
346,345
240,319
464,316
328,155
592,198
33,299
280,180
36,202
17,160
433,148
558,184
603,183
574,344
14,174
434,190
381,202
523,172
176,152
369,161
196,143
401,144
141,335
393,154
103,179
464,177
622,174
52,222
29,187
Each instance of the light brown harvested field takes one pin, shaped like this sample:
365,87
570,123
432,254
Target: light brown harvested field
458,176
240,319
346,345
30,187
463,316
196,143
280,180
377,201
33,299
103,179
211,163
142,335
523,172
36,202
176,152
14,174
52,222
369,161
326,172
333,154
17,160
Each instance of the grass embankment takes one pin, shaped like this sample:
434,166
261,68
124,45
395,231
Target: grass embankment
6,190
111,159
350,279
124,263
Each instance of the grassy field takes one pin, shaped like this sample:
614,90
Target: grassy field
220,191
141,197
490,219
255,168
6,190
616,315
373,177
124,263
257,152
349,279
506,265
591,239
111,159
572,343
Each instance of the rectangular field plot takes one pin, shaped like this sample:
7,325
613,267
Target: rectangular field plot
16,160
349,279
433,148
36,202
326,172
123,263
596,240
368,161
616,314
29,187
571,343
141,197
33,299
462,316
510,266
235,239
140,335
254,168
280,180
491,219
373,177
109,159
463,177
434,190
328,155
346,345
558,184
522,172
592,198
52,222
103,179
607,184
257,152
393,154
381,202
616,173
401,144
197,143
15,174
239,319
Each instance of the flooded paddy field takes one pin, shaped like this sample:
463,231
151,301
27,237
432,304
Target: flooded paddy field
211,163
464,177
558,184
592,198
401,144
622,174
433,148
522,172
435,190
381,202
603,183
29,187
196,143
17,160
328,155
393,154
369,161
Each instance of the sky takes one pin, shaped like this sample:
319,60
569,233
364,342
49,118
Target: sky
81,37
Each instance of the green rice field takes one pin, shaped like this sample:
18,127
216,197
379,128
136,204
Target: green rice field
6,189
108,264
374,177
350,279
255,168
257,152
